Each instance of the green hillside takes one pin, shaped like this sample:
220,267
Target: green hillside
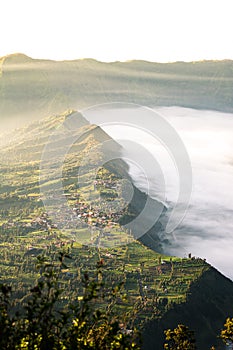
157,286
30,89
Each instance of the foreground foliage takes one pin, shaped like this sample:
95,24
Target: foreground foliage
44,321
181,338
227,332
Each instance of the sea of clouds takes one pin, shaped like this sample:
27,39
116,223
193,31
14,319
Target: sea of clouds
207,228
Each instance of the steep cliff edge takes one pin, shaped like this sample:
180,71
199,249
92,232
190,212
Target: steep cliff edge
209,302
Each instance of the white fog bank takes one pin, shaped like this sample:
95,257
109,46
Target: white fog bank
207,229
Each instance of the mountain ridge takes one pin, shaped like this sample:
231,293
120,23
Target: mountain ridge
34,88
20,54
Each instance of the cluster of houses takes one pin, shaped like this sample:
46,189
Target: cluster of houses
42,222
95,216
107,183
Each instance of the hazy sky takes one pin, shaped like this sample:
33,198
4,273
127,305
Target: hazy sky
109,30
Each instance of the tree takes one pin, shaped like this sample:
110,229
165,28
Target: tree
180,338
227,332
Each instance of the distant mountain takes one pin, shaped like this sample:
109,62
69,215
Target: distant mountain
31,88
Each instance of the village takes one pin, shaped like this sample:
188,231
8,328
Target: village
82,227
99,217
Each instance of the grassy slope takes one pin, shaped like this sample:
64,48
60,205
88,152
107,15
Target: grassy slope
167,284
34,88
